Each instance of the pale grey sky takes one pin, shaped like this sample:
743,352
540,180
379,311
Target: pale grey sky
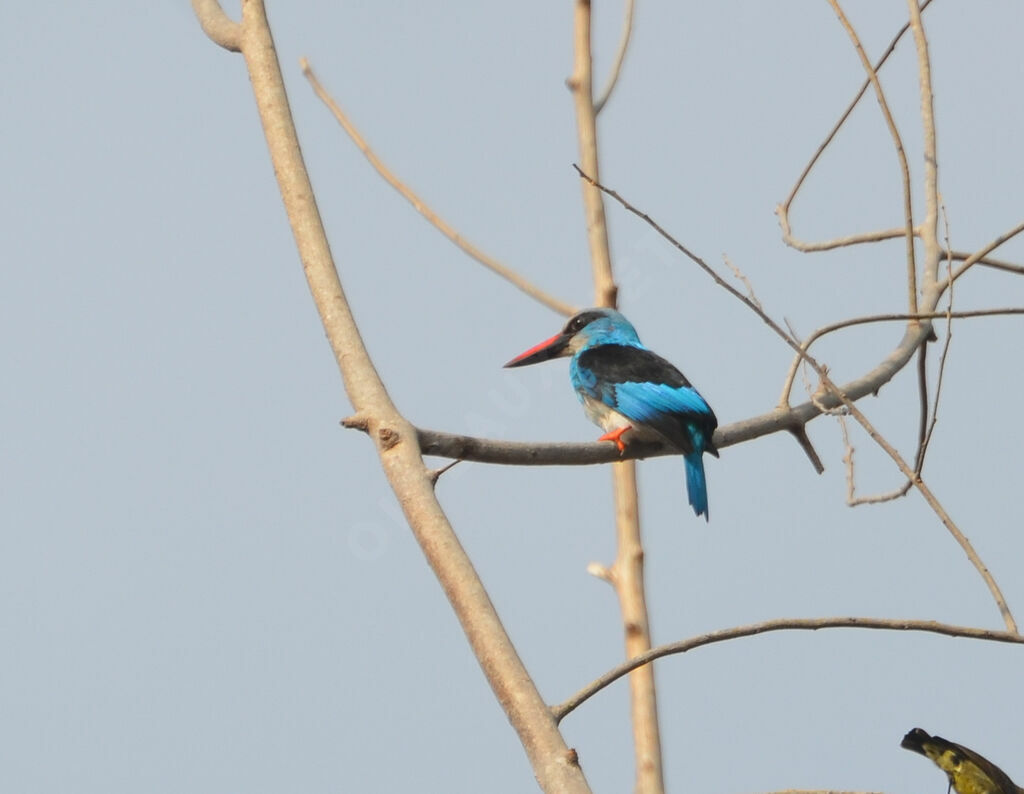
203,582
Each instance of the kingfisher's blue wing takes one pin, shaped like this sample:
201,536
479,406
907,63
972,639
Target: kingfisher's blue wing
647,390
677,412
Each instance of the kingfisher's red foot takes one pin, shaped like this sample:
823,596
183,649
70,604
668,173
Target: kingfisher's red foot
616,436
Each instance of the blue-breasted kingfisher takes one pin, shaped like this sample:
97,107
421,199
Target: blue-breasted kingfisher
627,390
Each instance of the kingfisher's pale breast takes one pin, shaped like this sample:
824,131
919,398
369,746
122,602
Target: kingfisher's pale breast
609,419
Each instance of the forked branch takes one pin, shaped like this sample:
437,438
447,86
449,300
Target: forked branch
832,396
554,765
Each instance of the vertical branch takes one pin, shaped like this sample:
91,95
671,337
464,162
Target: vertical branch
627,572
627,576
582,87
930,224
908,210
554,764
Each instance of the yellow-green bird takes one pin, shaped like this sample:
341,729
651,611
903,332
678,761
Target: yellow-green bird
968,772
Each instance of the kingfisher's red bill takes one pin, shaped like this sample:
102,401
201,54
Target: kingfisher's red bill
548,349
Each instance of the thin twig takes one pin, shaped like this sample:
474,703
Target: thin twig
981,253
741,276
784,624
922,417
929,497
945,346
787,386
783,209
995,264
620,56
485,259
804,440
848,241
852,500
586,177
890,122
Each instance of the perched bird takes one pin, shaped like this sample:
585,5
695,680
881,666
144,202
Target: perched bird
625,388
968,772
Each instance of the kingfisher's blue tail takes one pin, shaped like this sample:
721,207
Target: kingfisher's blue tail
696,485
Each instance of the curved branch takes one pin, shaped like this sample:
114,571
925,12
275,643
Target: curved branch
943,357
783,624
794,366
492,264
217,25
837,242
554,765
890,122
620,56
783,209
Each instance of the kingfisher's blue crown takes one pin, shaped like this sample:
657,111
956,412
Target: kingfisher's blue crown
602,327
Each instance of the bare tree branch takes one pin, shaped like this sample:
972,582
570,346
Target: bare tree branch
785,418
581,85
852,500
783,624
220,28
930,225
620,56
627,572
980,254
940,378
787,386
915,334
837,242
554,765
929,497
627,577
820,791
783,209
890,122
995,264
507,273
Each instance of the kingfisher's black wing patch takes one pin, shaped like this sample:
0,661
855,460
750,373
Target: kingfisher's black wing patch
622,363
